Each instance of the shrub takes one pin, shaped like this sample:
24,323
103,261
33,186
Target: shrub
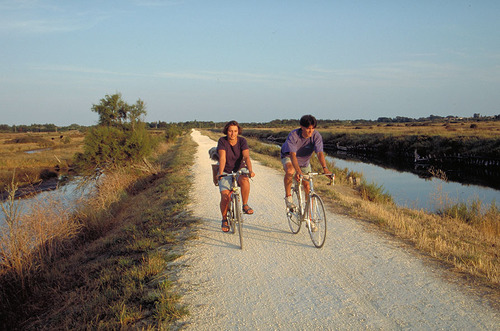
172,132
111,147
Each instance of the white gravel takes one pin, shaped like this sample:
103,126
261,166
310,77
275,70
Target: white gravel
360,279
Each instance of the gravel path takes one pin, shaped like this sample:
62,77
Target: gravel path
360,279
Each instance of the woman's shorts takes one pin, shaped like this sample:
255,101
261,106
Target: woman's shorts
287,159
226,182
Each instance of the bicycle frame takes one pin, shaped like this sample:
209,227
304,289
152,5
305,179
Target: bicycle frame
304,208
235,211
308,209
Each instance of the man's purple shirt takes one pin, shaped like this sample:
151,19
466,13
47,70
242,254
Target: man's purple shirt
303,147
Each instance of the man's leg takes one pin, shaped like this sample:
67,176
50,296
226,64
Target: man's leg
288,180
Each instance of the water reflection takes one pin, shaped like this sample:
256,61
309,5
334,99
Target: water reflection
66,197
410,190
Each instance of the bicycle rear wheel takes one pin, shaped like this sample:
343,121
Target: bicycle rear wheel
317,230
293,214
239,219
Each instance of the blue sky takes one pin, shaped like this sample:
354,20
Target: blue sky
253,61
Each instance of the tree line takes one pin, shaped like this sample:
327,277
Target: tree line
136,109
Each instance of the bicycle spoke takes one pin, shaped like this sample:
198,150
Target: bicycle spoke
231,215
293,214
239,219
317,228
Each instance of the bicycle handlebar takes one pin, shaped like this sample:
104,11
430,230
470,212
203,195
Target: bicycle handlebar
311,174
242,171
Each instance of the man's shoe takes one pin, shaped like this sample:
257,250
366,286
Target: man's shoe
289,202
314,228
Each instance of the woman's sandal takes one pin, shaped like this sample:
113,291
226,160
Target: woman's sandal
247,209
225,226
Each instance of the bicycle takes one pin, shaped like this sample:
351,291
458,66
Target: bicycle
310,211
235,211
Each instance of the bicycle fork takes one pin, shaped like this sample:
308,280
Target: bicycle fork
237,202
305,212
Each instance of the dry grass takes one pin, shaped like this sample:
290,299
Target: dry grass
486,129
469,248
101,266
33,235
53,150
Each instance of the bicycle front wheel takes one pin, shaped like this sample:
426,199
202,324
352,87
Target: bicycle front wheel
231,214
317,228
293,213
239,219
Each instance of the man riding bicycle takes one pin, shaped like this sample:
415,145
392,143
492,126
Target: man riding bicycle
296,153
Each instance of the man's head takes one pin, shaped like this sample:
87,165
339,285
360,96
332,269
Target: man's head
308,120
308,124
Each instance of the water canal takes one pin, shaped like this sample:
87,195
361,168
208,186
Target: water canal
65,197
409,190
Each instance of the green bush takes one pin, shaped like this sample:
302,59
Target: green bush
172,131
111,147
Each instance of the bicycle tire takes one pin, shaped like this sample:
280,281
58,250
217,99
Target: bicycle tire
293,214
239,219
230,214
318,221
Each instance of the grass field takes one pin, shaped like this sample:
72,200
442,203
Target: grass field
103,266
25,156
483,129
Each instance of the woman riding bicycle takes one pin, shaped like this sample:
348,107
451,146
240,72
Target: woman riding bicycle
233,155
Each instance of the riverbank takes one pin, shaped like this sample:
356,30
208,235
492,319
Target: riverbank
36,159
111,271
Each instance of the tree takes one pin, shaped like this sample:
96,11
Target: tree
120,139
135,112
112,110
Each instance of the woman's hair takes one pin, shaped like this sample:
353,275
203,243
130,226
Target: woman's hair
308,120
230,123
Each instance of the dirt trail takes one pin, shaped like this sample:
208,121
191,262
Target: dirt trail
358,280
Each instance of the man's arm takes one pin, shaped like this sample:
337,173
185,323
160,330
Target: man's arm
322,161
295,163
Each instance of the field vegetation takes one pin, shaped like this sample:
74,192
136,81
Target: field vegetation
29,158
100,264
103,266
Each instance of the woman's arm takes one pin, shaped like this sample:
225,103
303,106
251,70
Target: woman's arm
248,162
222,161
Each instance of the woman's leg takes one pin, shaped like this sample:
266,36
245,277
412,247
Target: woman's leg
225,196
244,184
245,193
